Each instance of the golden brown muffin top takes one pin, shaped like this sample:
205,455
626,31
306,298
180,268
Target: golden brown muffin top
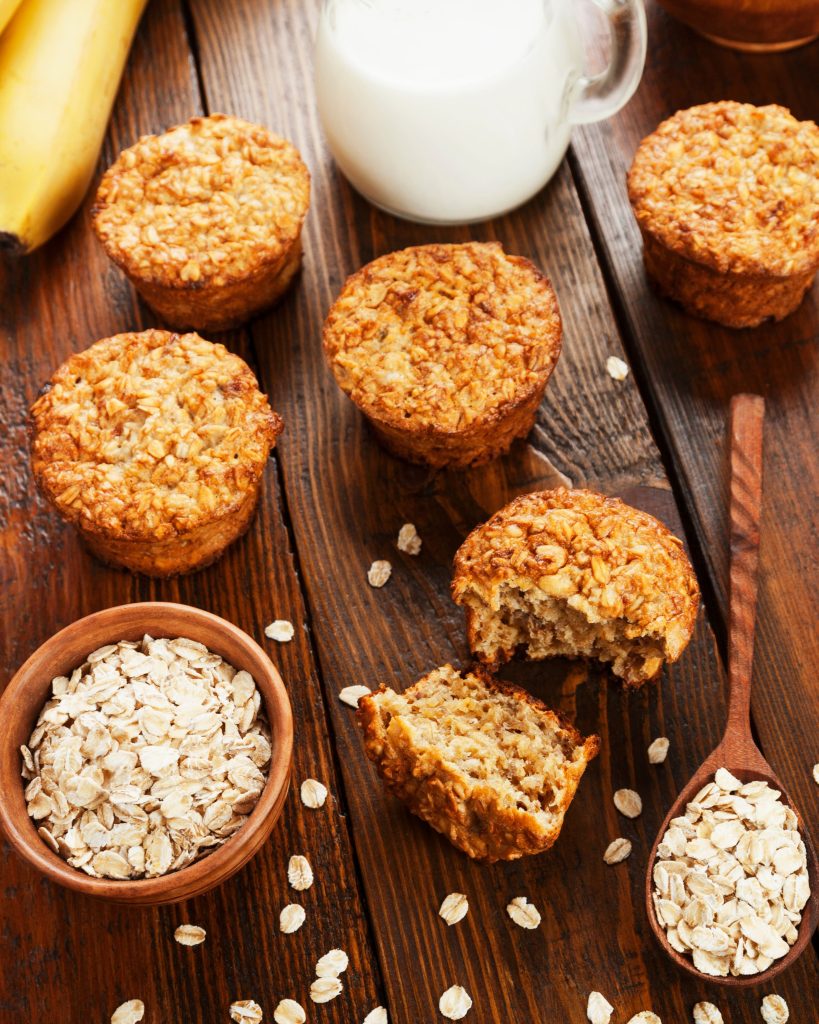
442,336
604,558
207,202
733,186
147,435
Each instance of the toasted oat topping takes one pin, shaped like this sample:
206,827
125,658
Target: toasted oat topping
148,435
205,202
606,559
733,186
443,335
146,758
731,879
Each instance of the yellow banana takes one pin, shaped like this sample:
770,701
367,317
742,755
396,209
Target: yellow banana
60,66
7,8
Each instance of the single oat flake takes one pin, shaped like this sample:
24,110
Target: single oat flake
299,873
774,1010
289,1012
816,774
313,793
598,1008
628,803
454,908
376,1016
352,695
129,1013
455,1003
658,750
408,540
281,630
332,964
324,989
291,918
190,935
246,1011
617,368
523,913
617,851
707,1013
379,572
645,1017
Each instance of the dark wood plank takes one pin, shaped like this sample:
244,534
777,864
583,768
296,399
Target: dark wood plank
692,368
347,500
65,958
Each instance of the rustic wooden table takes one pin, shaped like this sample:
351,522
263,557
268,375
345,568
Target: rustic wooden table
334,502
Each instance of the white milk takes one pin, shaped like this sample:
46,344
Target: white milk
447,111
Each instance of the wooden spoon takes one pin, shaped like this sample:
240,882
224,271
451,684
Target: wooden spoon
737,750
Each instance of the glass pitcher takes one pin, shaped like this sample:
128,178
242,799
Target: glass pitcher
451,111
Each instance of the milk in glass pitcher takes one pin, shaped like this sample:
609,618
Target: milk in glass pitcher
449,111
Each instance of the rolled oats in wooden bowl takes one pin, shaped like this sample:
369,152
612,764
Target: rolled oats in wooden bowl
154,765
206,219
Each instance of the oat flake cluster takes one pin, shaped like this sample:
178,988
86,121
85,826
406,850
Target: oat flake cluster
730,879
147,757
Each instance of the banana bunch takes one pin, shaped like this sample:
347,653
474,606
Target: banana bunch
60,66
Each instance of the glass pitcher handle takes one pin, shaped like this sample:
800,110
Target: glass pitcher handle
599,96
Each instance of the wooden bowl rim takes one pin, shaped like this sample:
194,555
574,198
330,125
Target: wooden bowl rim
128,622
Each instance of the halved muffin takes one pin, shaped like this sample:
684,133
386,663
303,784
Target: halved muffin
153,444
727,198
484,763
446,349
578,574
206,219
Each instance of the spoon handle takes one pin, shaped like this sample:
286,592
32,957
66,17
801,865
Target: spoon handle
747,414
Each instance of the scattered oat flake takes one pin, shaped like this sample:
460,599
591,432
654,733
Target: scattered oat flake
523,913
281,630
617,368
658,750
289,1012
455,1003
408,539
313,793
324,989
246,1011
628,803
376,1016
352,695
774,1010
129,1013
816,774
332,964
299,872
707,1013
291,918
379,572
598,1008
617,851
645,1017
454,908
190,935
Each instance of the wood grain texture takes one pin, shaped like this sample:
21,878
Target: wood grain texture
347,499
65,958
689,370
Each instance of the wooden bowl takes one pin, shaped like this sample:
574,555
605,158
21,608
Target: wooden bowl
756,26
29,689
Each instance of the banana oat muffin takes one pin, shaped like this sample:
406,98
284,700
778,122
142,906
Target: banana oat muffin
153,445
484,763
575,573
206,219
446,349
727,199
